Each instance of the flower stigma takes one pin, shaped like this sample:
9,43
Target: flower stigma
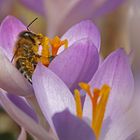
99,99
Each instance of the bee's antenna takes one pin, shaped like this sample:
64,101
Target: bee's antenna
31,23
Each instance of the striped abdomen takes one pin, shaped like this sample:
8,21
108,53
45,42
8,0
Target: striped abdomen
25,67
26,61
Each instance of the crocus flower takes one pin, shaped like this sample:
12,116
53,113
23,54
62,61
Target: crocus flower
71,11
81,56
52,88
82,49
110,72
59,106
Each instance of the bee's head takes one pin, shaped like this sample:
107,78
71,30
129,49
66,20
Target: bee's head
28,35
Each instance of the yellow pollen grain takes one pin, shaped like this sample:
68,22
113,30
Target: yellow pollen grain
78,103
45,51
49,48
65,43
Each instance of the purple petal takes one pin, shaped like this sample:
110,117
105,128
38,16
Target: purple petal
84,29
23,119
124,127
36,5
69,127
52,94
11,79
23,105
77,63
87,108
23,135
9,30
108,6
116,72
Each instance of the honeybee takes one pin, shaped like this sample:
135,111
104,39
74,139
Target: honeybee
26,54
26,51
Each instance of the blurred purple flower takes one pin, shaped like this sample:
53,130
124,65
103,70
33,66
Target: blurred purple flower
35,5
60,15
134,33
5,8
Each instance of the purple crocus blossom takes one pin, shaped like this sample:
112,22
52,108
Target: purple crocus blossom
82,44
112,69
72,11
52,90
59,106
46,82
63,65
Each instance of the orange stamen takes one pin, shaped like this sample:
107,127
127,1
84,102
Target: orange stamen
56,43
86,88
100,111
50,48
94,103
99,100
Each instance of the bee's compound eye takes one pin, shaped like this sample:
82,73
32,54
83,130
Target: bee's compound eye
26,34
29,34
